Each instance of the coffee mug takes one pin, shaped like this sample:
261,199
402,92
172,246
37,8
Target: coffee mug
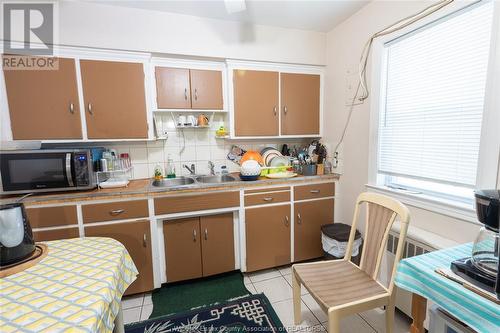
202,120
191,120
181,120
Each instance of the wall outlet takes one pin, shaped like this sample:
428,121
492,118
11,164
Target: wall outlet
335,160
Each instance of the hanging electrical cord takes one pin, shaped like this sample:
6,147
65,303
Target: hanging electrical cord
363,61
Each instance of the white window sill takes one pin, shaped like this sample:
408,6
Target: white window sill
436,205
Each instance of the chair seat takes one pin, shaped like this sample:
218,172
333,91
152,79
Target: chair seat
337,282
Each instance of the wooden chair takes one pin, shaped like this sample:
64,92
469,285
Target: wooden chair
342,288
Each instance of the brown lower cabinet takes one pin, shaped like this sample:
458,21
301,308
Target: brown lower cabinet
267,237
135,236
309,217
199,246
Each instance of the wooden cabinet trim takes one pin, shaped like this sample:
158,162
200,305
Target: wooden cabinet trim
267,198
313,191
117,210
197,202
43,217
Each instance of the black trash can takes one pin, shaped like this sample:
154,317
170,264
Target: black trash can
335,237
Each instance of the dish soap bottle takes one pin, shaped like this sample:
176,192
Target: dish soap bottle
170,168
158,172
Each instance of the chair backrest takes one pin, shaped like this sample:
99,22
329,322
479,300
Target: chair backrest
382,211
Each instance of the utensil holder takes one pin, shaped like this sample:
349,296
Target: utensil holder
309,170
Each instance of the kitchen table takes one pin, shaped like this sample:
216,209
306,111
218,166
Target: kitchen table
417,274
77,287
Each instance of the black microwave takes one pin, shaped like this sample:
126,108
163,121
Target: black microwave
46,170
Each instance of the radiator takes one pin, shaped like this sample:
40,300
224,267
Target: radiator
411,248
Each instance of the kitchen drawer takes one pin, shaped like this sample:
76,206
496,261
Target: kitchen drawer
55,234
52,216
190,203
266,198
314,191
118,210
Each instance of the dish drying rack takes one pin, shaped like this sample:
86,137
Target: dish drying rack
114,178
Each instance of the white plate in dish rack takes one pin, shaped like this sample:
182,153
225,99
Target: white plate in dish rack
279,175
114,183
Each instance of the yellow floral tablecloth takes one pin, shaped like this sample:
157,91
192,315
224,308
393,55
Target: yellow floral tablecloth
76,288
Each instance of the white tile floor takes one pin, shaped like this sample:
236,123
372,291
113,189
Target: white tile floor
276,285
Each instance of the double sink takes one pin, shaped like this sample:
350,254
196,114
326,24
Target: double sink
186,181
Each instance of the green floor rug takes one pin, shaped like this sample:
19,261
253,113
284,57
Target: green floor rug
252,313
187,295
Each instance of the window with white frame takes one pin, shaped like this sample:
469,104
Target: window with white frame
432,105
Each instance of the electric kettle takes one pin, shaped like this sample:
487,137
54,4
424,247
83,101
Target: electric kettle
16,237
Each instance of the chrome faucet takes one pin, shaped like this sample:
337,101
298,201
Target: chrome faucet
211,166
192,169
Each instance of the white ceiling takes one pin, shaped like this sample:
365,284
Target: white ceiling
316,15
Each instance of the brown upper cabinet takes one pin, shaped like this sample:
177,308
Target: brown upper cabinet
256,103
172,88
115,102
180,88
43,104
206,89
259,94
300,104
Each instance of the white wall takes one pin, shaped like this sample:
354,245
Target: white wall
344,46
112,27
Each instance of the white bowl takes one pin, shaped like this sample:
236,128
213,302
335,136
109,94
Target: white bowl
250,168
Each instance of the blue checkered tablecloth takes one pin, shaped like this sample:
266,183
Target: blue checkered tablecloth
417,274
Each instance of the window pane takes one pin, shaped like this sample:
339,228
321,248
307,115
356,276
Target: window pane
436,77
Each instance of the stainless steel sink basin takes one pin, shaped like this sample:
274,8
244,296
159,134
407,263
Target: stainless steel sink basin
173,182
215,179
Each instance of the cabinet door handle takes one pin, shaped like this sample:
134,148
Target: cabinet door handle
206,234
185,94
275,110
117,212
268,199
71,108
194,235
299,218
145,241
285,109
195,94
287,221
314,191
89,108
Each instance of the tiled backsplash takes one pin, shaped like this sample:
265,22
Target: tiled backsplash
189,146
